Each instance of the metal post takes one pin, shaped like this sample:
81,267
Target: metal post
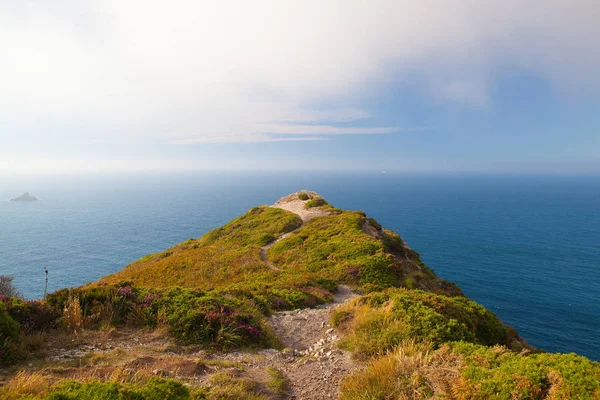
46,288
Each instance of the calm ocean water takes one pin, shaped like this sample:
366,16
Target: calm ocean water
527,247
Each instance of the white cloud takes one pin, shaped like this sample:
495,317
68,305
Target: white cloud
210,71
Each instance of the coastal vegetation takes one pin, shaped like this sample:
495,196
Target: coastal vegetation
378,322
416,335
417,369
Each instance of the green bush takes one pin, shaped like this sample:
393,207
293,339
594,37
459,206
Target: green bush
197,318
375,224
467,371
315,202
303,196
382,320
9,328
9,332
32,316
393,242
501,374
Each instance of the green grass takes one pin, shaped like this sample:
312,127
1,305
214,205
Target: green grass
221,386
227,386
223,256
154,389
278,382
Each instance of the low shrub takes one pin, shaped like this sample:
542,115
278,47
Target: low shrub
315,202
197,318
465,371
500,373
19,335
303,196
32,316
381,320
9,328
393,242
375,224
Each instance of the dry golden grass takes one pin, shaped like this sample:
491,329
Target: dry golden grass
414,370
72,318
29,382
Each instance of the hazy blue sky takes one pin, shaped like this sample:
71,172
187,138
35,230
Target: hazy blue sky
433,85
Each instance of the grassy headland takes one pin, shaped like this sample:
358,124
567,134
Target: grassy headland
417,335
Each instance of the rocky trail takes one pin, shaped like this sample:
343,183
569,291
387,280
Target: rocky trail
311,360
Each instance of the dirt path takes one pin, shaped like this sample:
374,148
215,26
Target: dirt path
318,365
292,203
312,362
264,249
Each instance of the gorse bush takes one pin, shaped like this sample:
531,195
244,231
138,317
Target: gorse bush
9,328
375,224
20,322
380,321
32,316
197,318
499,373
466,371
316,202
192,316
303,196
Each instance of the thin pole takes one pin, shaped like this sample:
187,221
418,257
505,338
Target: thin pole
46,288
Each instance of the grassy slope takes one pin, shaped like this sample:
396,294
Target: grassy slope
223,256
332,248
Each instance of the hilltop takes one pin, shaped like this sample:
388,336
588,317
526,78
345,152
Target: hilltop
299,299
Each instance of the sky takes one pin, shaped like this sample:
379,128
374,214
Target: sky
434,85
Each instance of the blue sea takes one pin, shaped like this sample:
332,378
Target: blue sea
526,247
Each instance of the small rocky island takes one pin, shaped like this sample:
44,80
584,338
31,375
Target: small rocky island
24,197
